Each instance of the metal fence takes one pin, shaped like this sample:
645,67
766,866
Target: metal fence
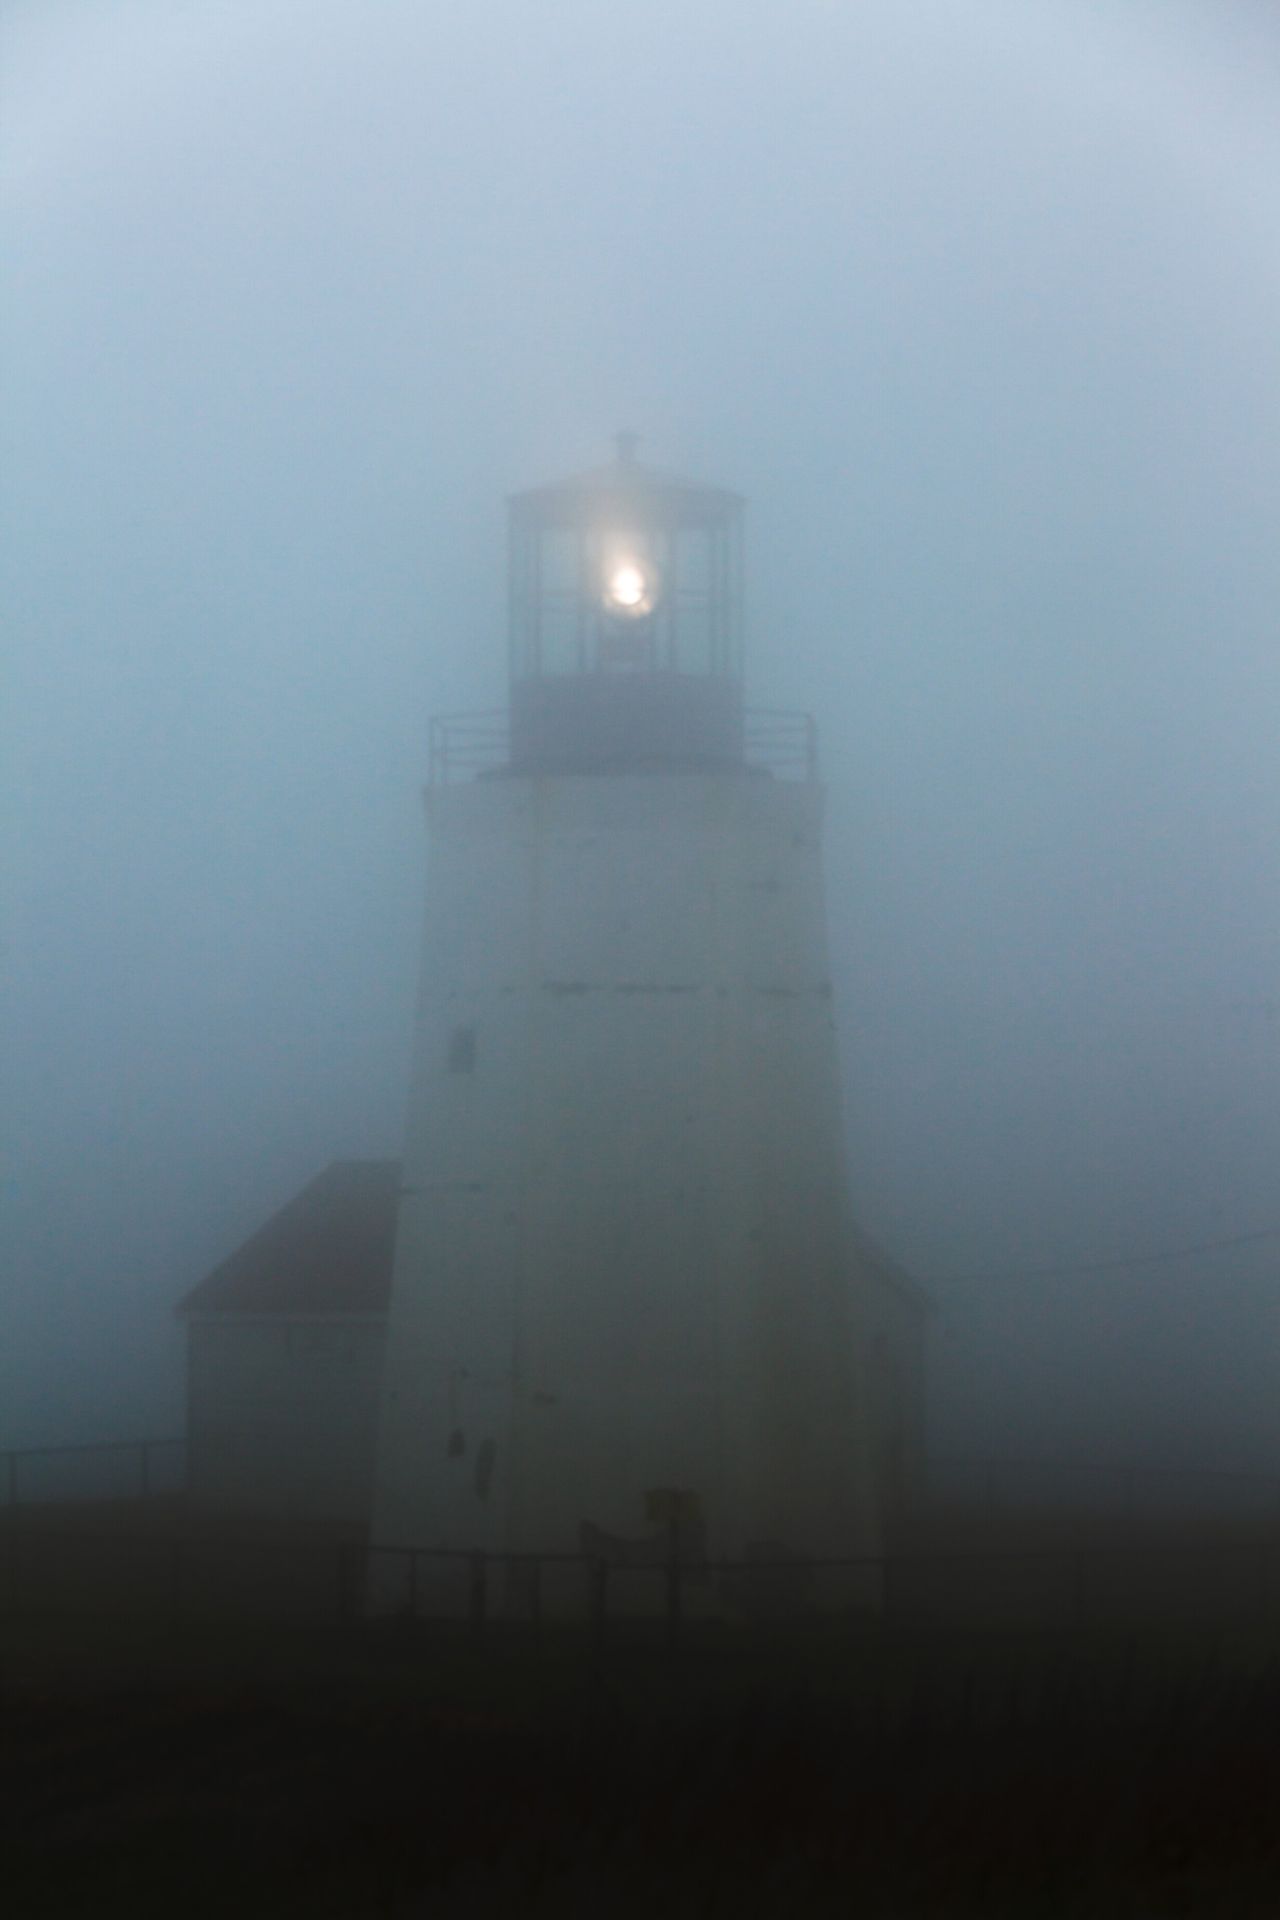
182,1563
96,1470
1232,1587
47,1572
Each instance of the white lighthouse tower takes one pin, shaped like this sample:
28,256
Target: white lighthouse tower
625,1283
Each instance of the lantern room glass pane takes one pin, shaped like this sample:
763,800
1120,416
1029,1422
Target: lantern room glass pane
693,624
557,610
558,560
562,622
693,560
558,645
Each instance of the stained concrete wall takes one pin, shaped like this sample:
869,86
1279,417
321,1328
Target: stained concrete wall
282,1413
623,1258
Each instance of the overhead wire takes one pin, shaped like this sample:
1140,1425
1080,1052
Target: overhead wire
1080,1270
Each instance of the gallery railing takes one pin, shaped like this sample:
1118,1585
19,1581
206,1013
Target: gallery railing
461,746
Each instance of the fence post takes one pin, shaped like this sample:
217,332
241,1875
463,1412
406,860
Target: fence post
177,1581
673,1583
18,1569
144,1468
599,1601
1264,1583
12,1476
477,1594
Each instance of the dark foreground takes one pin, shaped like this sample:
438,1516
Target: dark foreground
347,1771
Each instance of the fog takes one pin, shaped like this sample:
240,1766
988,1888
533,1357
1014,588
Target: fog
978,304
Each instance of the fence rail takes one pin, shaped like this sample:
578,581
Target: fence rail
140,1476
190,1564
47,1571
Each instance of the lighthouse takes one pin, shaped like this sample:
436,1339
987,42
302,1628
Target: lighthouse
626,1290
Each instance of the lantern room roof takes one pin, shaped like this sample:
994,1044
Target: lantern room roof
624,475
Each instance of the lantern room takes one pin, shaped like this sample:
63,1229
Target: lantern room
626,623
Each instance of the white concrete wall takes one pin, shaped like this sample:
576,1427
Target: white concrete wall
282,1412
623,1259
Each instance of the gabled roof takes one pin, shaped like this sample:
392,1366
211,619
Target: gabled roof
328,1250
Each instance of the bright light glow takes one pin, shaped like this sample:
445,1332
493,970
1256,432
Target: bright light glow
626,586
630,588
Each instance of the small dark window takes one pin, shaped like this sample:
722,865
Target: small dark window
462,1050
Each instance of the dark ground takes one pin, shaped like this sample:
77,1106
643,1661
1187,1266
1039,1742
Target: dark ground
383,1774
165,1761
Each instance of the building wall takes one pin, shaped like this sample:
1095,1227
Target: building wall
282,1412
623,1260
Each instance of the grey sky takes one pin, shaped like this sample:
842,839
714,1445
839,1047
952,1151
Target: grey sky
980,305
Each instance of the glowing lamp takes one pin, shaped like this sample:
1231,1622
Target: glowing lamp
626,622
630,590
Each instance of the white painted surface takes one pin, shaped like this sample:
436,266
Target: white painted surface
282,1412
624,1257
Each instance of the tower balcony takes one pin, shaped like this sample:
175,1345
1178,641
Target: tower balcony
773,743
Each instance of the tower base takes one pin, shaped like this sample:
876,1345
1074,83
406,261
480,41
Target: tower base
624,1267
